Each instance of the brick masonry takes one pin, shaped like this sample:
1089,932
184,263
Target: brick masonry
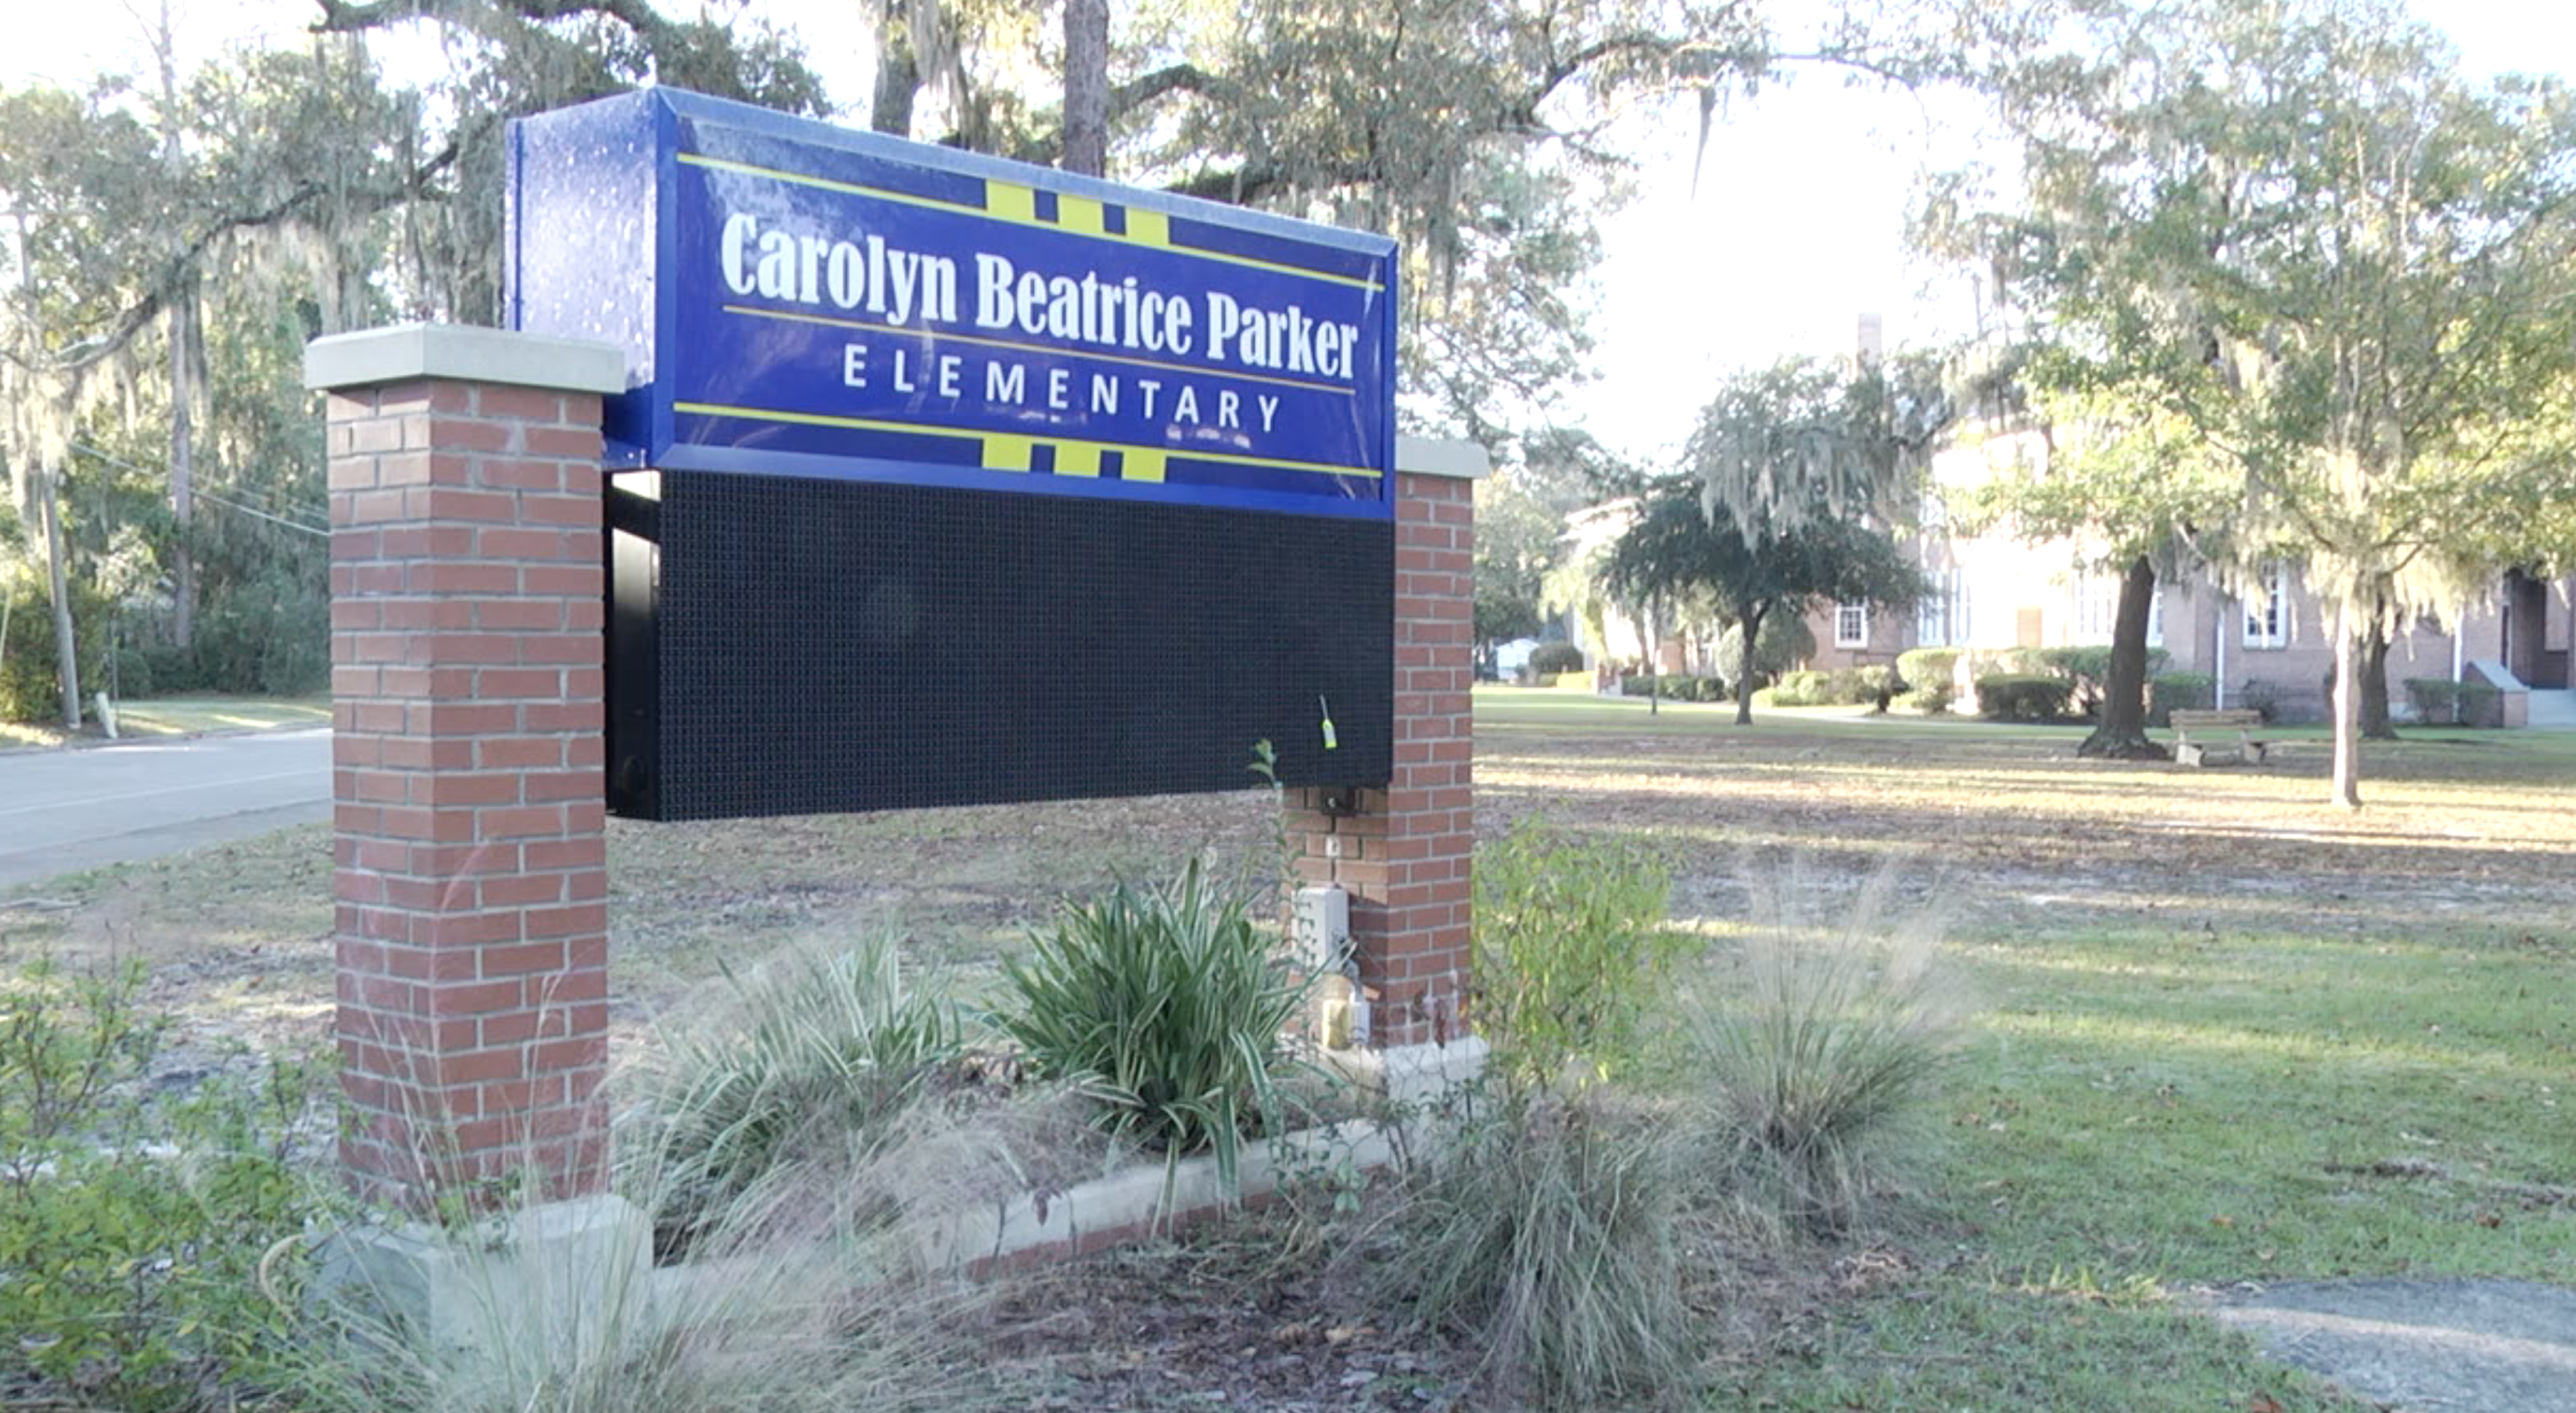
1405,853
470,862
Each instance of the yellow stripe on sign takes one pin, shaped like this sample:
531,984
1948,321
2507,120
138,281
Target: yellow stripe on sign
1019,204
1077,458
1153,228
1140,466
1011,201
1148,458
1007,453
1080,213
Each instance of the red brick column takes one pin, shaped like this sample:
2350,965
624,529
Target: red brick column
467,707
1405,853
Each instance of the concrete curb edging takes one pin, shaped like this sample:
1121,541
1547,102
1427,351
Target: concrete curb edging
1141,1202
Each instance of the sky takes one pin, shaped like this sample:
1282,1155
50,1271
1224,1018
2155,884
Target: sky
1794,228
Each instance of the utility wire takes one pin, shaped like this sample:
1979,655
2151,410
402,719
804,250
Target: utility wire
262,515
279,505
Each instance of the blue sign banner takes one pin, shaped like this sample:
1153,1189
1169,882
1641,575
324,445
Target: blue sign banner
800,299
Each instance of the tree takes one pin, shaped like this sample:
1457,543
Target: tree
1679,543
1800,462
2293,226
2136,490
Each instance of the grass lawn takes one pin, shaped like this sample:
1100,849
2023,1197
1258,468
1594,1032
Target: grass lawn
2223,1032
185,716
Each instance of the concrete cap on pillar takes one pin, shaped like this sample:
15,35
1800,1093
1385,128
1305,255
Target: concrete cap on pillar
462,353
1442,456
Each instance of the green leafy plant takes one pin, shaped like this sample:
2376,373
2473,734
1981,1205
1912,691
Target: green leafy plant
2019,696
133,1234
2088,669
1569,951
816,1052
2259,695
1548,659
1784,641
2178,691
1168,1004
1803,688
1546,1233
1820,1060
1923,668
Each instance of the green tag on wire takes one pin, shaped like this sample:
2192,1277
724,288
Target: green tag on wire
1326,708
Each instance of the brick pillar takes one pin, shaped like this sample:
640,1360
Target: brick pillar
467,598
1405,853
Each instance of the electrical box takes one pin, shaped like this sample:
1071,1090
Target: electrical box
1324,928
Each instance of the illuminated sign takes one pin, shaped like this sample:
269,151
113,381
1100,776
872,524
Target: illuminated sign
802,300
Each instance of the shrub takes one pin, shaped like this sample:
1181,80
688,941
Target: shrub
1821,1064
2260,696
1569,951
2089,669
1648,684
1672,686
2178,691
1926,668
1804,688
2005,696
2436,699
1546,1234
133,1235
816,1051
1933,700
1549,659
1879,685
1168,1003
1785,640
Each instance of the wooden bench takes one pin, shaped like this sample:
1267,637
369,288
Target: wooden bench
2217,723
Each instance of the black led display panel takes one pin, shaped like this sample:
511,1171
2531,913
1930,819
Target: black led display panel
791,646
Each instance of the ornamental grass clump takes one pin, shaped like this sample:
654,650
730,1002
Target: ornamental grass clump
1546,1235
816,1055
799,1295
1822,1060
1168,1004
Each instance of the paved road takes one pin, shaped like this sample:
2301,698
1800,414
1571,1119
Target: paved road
66,810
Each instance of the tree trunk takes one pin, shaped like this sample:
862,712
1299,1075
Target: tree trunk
183,562
49,508
2376,724
1086,87
1650,637
1751,623
2121,734
2346,703
183,361
898,73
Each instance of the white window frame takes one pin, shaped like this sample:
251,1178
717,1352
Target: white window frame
1856,615
2267,609
2156,617
2097,609
1932,626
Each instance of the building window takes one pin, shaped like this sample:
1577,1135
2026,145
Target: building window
1932,617
2097,608
1851,625
2156,618
2267,608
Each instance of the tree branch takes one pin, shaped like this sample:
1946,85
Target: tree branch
341,16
